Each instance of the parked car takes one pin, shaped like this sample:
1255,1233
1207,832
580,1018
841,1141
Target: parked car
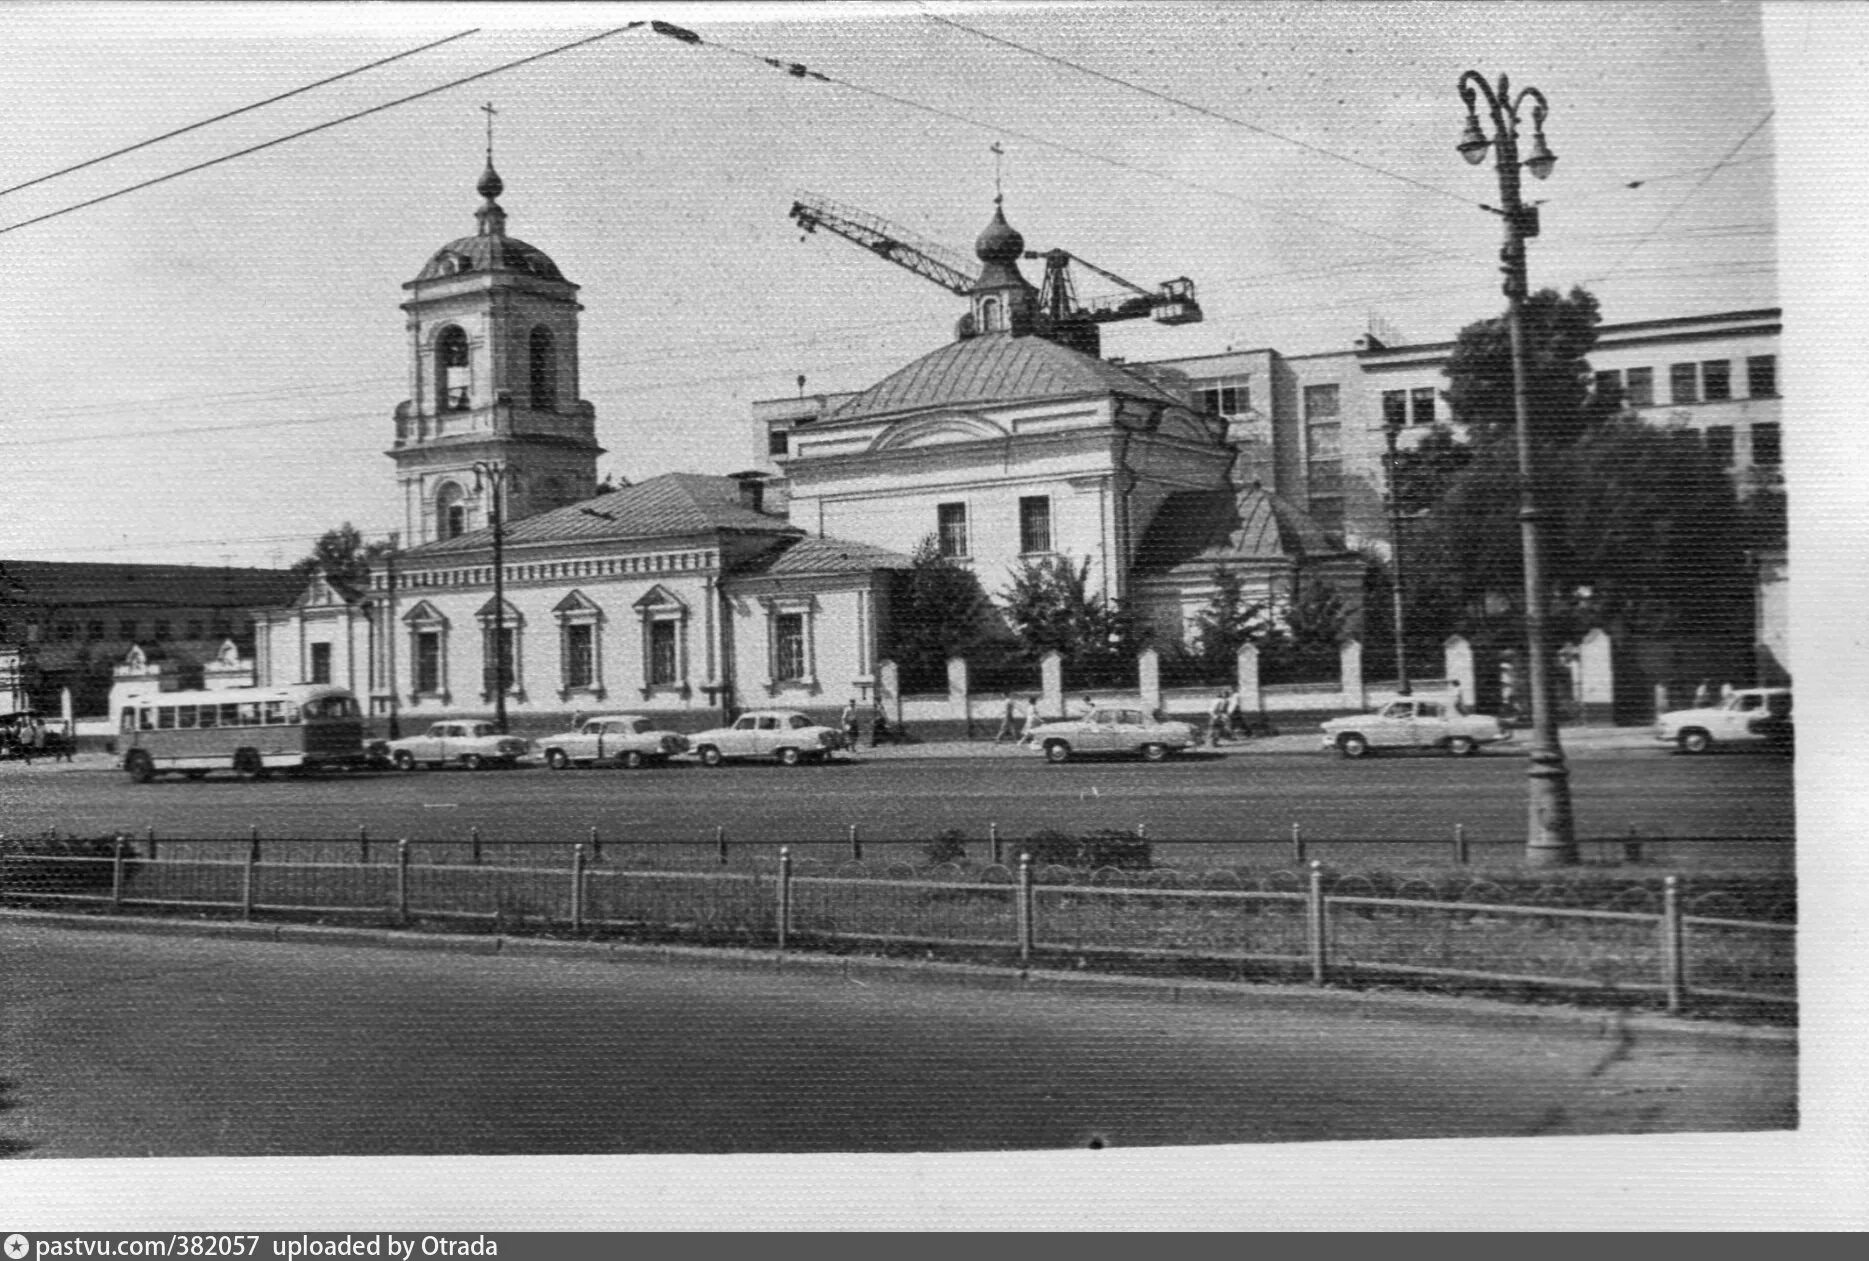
620,739
1411,723
470,745
783,734
1111,729
1752,716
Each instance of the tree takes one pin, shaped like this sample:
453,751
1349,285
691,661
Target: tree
1227,624
938,610
1050,608
343,556
1422,473
1306,642
1559,334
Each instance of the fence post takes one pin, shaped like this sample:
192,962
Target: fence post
577,887
246,882
1026,933
475,851
1460,843
1297,843
597,846
363,844
116,873
253,839
785,896
402,879
149,834
1673,954
720,844
1320,937
856,845
992,841
1632,846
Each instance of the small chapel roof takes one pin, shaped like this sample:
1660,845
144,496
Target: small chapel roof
1204,528
996,368
818,555
662,507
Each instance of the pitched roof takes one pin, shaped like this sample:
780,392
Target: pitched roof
1203,528
812,555
996,368
87,583
662,507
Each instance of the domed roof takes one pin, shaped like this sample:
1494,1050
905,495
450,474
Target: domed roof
999,241
490,249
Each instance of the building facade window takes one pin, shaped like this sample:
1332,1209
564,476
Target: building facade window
1716,380
1035,523
195,628
1766,446
1422,401
788,647
126,629
791,650
94,630
1608,384
1639,390
951,529
778,442
1720,444
502,651
160,630
1229,396
320,663
989,315
1684,383
543,369
1324,456
580,659
1394,409
664,617
1762,376
454,379
426,650
450,511
664,660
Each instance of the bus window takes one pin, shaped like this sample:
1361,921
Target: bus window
165,718
148,719
127,722
292,714
249,713
185,717
207,714
230,715
275,713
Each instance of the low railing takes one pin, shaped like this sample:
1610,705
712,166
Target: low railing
1295,927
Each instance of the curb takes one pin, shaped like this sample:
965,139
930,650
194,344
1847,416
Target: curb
1263,996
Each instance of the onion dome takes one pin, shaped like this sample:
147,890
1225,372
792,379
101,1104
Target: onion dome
999,242
489,249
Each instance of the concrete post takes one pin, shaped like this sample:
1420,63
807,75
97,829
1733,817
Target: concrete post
1673,960
1051,684
1246,672
1025,911
577,888
959,703
785,895
116,872
1596,684
1149,679
889,691
1351,656
402,880
1458,651
1319,934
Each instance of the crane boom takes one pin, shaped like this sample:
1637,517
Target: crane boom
900,246
1170,303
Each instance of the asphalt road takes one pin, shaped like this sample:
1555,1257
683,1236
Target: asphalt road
129,1045
1241,797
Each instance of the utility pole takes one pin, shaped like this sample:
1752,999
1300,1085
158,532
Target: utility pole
389,634
1392,430
1551,838
491,475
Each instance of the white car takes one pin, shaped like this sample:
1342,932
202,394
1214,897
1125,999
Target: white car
1111,729
1750,716
785,735
620,739
467,744
1411,723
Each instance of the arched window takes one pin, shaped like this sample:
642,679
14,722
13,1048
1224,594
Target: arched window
450,512
989,315
544,369
453,369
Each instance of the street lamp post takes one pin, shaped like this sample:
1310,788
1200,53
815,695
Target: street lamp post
389,633
1551,835
1392,430
491,474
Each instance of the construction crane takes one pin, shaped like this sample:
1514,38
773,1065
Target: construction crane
1062,315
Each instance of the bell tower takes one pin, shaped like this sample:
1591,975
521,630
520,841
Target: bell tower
493,382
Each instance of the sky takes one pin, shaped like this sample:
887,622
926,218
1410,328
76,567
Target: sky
205,370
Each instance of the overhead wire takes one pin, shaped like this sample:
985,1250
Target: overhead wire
324,126
232,113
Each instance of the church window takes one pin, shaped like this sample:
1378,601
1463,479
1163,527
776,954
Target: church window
951,529
428,662
788,644
453,369
579,655
544,374
989,315
450,511
663,669
321,663
1035,523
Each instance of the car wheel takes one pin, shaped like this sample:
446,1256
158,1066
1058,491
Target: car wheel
556,759
472,761
710,756
788,757
1694,740
1462,746
247,765
632,759
194,774
1351,744
141,769
1057,751
1154,752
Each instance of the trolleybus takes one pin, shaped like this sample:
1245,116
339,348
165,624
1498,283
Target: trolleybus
249,731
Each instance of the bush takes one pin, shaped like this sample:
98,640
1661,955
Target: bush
47,864
1100,849
947,847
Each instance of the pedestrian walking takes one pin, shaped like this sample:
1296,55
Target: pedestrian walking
1088,704
1031,721
35,738
1008,719
879,724
1236,714
849,723
1703,695
1217,718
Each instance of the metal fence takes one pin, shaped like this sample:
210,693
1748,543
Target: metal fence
1288,923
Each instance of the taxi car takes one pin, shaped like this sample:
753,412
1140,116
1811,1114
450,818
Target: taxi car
1413,723
619,739
467,744
784,735
1754,716
1111,729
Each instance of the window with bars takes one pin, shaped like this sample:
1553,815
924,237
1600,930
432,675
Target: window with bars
1035,523
788,647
